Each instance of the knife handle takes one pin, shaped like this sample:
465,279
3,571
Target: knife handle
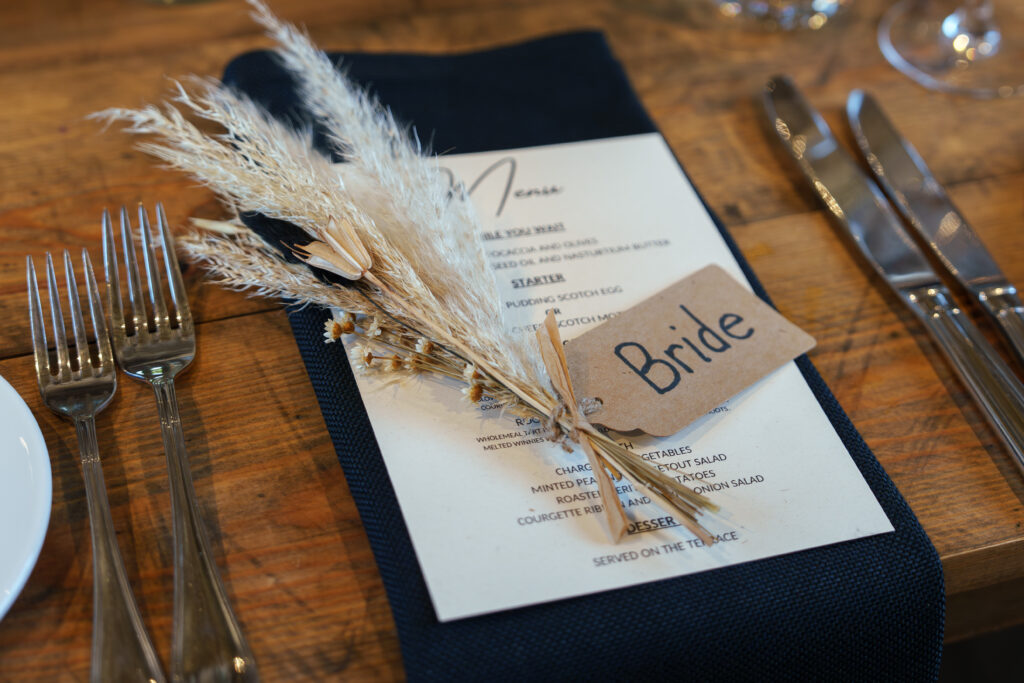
996,390
1005,307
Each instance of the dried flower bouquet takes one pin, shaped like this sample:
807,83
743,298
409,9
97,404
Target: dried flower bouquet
383,242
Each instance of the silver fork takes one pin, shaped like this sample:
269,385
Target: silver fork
207,643
121,648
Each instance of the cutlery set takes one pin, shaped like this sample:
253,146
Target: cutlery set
153,343
864,211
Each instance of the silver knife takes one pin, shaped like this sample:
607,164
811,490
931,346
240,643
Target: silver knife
860,207
905,178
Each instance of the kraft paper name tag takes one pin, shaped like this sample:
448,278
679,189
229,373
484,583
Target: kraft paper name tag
670,359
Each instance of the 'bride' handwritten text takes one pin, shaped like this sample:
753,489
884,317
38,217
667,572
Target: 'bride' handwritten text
662,375
680,353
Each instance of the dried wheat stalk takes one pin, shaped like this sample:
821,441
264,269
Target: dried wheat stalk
412,282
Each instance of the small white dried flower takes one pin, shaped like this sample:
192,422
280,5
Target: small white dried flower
473,392
332,331
373,329
469,373
424,346
337,325
361,357
394,363
347,322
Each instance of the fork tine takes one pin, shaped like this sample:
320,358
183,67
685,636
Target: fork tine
35,316
99,322
177,286
113,278
77,324
156,291
60,339
134,282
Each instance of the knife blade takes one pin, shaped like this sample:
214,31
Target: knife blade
914,191
859,207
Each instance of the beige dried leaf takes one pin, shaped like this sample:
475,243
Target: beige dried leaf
339,262
342,237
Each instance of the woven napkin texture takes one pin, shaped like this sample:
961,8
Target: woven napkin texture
866,610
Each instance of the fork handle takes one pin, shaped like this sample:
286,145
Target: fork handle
995,388
207,642
121,648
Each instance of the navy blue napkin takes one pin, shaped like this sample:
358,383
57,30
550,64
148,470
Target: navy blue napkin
868,610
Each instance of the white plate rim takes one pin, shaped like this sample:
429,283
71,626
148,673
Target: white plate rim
19,563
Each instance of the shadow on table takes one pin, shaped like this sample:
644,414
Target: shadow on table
992,658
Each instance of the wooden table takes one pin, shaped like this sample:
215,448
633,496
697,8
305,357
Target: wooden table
284,528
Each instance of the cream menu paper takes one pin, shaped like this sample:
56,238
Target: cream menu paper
501,518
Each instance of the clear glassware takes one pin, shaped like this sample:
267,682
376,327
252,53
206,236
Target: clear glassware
783,15
971,47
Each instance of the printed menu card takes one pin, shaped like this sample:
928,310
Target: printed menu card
502,518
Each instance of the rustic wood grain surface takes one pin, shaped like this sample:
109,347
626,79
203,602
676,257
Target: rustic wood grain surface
284,528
